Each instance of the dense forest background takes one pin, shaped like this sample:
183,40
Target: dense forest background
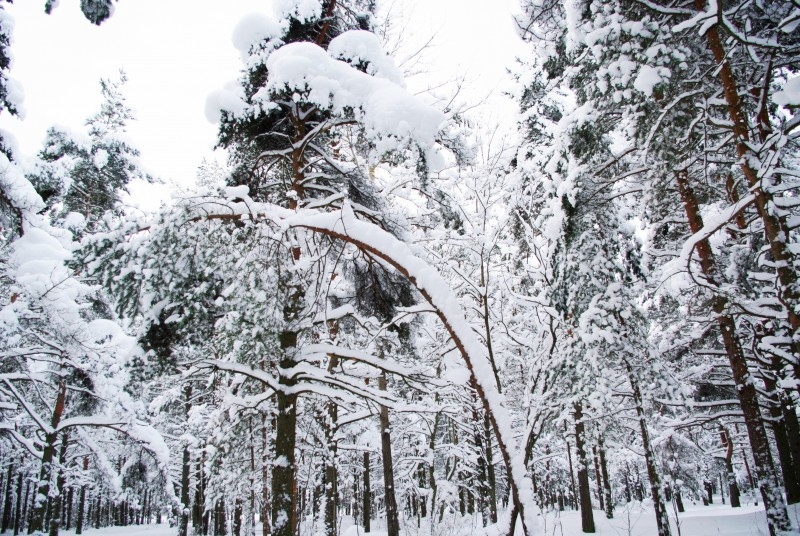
378,311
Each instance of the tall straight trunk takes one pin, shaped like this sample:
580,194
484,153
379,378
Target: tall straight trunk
219,518
777,517
606,482
45,473
662,518
199,522
584,491
792,432
598,479
366,508
776,230
572,477
18,507
237,517
81,506
284,485
186,466
70,498
8,498
331,469
26,514
782,446
58,500
392,513
266,505
490,473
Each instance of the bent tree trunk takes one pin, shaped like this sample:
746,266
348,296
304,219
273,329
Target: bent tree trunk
374,241
777,517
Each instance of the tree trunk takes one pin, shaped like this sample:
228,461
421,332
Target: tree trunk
331,469
492,481
18,507
572,477
606,482
45,473
58,500
776,230
284,488
237,517
598,479
662,518
8,498
81,506
392,514
792,433
733,487
777,518
366,495
70,500
782,446
266,505
584,491
183,524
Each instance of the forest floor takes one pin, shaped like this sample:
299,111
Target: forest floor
631,520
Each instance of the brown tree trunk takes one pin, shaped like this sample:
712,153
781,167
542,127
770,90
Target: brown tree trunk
662,518
392,513
776,230
792,433
584,491
284,495
777,518
45,473
782,446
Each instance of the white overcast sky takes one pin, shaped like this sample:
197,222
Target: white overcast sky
175,52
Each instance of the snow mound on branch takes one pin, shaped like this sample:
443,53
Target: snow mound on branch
362,47
389,113
252,30
18,189
647,79
230,99
302,10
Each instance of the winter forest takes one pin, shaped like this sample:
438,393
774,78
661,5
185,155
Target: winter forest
378,317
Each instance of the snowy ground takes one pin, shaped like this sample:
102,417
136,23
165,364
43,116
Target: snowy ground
698,520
